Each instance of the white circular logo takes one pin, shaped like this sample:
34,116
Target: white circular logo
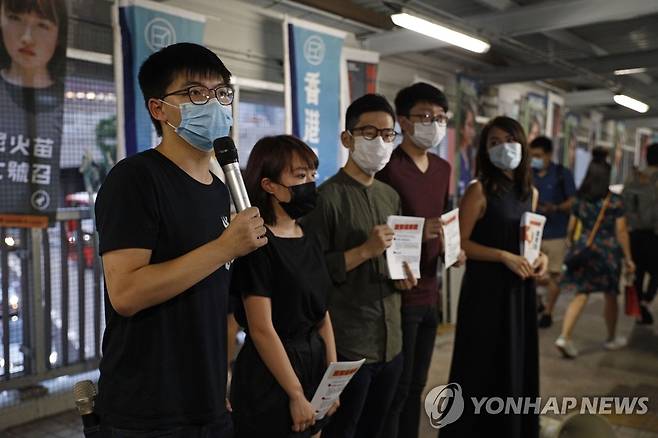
314,50
444,405
40,200
159,33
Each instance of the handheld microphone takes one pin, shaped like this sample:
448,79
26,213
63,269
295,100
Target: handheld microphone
227,156
84,393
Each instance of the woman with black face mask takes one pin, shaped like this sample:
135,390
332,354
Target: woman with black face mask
283,287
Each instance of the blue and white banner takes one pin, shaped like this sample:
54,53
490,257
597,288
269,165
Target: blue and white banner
146,27
313,78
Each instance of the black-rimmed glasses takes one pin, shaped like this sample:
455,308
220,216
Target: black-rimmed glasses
428,119
200,95
370,132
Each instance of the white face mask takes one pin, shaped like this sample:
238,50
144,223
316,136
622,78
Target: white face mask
428,136
506,156
371,155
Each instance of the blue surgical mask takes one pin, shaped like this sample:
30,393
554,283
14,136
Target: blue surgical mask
506,156
200,125
537,163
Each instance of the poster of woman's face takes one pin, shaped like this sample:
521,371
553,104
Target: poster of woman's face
33,45
32,76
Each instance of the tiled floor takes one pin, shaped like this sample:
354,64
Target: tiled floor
67,425
632,371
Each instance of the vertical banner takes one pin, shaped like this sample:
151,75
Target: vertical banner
146,27
533,115
313,78
642,142
571,122
554,121
468,109
362,68
33,65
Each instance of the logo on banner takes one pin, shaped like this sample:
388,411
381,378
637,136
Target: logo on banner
40,200
314,50
159,33
444,405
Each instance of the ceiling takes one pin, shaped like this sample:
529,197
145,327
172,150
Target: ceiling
575,45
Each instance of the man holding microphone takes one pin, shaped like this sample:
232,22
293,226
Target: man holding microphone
167,246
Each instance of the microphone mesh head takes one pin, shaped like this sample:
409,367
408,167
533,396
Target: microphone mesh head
225,150
84,393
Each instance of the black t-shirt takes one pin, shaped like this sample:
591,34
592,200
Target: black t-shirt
166,365
293,273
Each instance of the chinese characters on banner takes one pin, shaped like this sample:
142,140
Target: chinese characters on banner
20,153
314,79
33,65
311,109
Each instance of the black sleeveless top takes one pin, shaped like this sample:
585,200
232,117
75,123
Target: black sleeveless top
500,225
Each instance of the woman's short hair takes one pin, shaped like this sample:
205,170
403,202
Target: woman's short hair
268,159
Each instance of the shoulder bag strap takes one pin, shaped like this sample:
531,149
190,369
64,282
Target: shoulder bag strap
599,220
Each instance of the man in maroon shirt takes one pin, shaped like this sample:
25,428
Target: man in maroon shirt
422,180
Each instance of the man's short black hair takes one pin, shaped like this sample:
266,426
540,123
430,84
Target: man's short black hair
417,93
652,154
542,142
161,68
368,103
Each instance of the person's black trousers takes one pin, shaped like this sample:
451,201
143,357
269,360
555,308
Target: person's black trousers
366,401
419,325
644,246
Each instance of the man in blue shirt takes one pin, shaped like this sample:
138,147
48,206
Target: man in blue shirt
556,194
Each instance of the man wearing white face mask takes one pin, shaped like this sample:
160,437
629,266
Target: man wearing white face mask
422,180
350,221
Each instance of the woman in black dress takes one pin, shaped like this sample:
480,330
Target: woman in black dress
496,351
284,288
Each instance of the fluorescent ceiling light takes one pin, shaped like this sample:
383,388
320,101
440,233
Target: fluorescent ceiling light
630,71
631,103
439,32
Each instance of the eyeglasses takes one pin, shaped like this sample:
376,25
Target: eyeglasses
428,119
200,95
370,132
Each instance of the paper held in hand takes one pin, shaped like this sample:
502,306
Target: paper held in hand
532,229
406,245
335,379
451,237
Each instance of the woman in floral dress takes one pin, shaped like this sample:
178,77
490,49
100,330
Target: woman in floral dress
610,249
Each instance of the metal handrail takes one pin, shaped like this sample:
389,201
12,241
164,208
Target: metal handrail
37,327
